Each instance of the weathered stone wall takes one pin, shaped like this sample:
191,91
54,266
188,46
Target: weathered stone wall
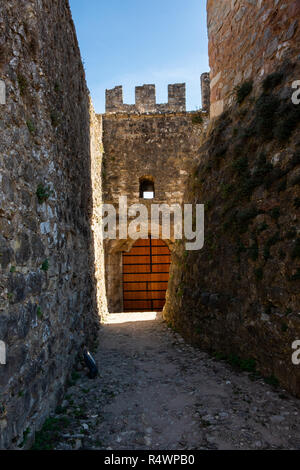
96,152
48,303
161,147
247,39
239,296
205,92
145,100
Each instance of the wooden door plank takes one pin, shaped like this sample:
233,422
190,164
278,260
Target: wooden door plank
145,275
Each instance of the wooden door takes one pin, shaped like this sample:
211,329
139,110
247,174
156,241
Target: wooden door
146,271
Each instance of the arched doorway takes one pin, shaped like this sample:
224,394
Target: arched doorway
146,269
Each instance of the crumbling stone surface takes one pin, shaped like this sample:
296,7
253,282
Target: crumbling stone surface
47,282
96,151
239,295
155,392
205,92
160,147
247,39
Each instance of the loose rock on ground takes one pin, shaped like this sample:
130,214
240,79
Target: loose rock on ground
156,392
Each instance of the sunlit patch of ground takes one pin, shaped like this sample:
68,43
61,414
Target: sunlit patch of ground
156,392
118,318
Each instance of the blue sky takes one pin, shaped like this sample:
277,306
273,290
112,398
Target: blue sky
133,42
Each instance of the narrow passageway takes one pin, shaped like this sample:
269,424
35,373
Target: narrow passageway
157,392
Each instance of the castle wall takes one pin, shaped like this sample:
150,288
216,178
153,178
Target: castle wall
238,297
137,146
145,100
49,141
205,91
247,39
95,216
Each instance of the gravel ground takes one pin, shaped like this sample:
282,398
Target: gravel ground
155,392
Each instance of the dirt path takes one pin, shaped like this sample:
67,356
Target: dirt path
157,392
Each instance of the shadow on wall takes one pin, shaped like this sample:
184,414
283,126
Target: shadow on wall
48,305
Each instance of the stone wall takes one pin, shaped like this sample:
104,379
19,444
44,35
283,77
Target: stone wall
145,100
247,39
48,305
205,92
239,296
96,152
160,147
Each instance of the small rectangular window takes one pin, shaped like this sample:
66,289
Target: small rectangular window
147,189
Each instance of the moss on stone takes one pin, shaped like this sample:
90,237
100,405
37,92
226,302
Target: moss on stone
243,91
22,82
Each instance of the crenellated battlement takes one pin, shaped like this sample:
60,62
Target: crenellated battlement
145,100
